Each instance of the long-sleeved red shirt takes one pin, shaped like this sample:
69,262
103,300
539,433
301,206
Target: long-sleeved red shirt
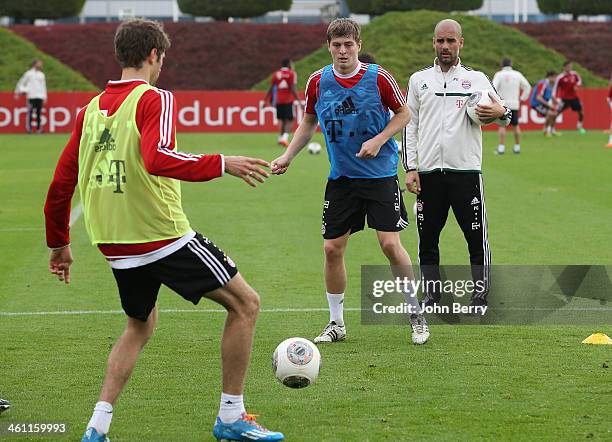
156,120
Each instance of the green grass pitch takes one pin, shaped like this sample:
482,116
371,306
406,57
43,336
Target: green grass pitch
552,204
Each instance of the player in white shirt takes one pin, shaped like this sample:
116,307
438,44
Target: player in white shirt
33,85
512,87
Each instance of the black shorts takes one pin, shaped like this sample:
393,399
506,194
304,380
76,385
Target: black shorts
195,269
284,111
541,109
514,118
574,104
349,200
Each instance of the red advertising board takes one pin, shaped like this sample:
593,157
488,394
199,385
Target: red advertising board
245,111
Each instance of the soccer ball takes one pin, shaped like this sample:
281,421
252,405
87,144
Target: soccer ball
478,97
296,362
314,148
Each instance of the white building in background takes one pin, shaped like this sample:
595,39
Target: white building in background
302,11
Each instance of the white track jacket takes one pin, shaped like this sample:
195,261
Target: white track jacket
440,135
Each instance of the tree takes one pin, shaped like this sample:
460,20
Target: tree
377,7
223,9
575,7
33,9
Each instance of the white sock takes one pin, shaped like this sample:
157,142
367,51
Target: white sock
579,125
549,129
610,139
501,148
102,416
231,408
285,136
517,147
336,308
412,300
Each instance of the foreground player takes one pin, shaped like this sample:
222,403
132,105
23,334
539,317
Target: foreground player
543,102
284,81
123,154
565,89
352,102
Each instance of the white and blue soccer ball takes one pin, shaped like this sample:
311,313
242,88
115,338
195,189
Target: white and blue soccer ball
296,362
478,97
314,148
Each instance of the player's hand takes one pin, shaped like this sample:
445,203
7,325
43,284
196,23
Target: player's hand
490,111
369,149
280,165
413,182
60,262
247,168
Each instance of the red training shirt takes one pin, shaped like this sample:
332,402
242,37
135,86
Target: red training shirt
283,79
565,85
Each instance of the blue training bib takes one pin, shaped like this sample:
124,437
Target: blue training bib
350,116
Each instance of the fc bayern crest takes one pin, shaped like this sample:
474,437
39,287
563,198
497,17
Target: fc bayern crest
466,84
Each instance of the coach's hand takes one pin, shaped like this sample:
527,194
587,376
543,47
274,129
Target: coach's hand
369,149
247,168
280,165
59,263
490,111
413,182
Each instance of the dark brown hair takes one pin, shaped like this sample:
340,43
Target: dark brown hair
136,38
344,27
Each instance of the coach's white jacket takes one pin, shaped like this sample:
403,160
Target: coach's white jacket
440,135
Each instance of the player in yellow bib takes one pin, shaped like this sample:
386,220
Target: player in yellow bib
122,153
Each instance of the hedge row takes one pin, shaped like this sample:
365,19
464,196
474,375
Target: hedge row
211,56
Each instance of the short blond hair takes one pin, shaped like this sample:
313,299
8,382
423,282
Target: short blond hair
344,27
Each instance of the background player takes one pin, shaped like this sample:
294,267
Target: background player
283,93
565,89
545,104
351,101
512,87
34,85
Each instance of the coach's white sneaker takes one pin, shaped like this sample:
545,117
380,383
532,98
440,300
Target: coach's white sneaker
420,331
331,333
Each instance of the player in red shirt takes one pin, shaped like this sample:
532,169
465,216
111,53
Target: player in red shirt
351,101
283,93
565,88
609,98
190,264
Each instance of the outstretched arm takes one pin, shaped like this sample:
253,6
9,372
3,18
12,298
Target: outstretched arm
302,135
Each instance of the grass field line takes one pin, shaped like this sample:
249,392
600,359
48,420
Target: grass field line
275,310
75,214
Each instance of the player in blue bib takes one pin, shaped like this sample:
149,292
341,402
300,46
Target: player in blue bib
351,102
543,102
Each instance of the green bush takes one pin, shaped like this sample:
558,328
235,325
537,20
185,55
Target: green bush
402,43
32,9
377,7
222,9
575,7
